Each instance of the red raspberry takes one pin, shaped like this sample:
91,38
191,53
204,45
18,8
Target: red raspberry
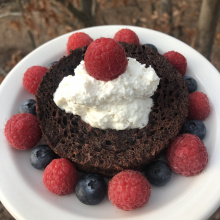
32,78
187,155
105,59
22,131
177,60
199,107
129,190
77,40
60,177
127,35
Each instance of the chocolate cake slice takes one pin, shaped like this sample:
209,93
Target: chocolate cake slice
110,151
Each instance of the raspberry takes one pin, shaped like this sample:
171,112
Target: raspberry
22,131
187,155
32,78
199,107
60,177
77,40
126,35
177,60
105,59
129,190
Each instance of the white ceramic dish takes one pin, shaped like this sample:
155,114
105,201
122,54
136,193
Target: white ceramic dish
22,190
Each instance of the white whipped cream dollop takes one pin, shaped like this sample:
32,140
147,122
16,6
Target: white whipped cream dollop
122,103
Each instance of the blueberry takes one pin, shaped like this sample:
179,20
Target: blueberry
41,156
158,173
191,83
152,47
195,127
51,64
91,189
29,106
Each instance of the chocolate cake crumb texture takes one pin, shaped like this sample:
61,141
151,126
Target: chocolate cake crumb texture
110,151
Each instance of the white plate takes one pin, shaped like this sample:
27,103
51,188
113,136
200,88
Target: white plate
22,190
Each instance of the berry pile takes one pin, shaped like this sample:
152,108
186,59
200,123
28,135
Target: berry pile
105,60
187,154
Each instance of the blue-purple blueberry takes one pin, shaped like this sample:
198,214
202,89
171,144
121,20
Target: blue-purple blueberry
51,64
91,189
153,47
195,127
191,83
29,106
158,173
41,156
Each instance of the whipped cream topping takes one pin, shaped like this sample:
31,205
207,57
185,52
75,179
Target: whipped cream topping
122,103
